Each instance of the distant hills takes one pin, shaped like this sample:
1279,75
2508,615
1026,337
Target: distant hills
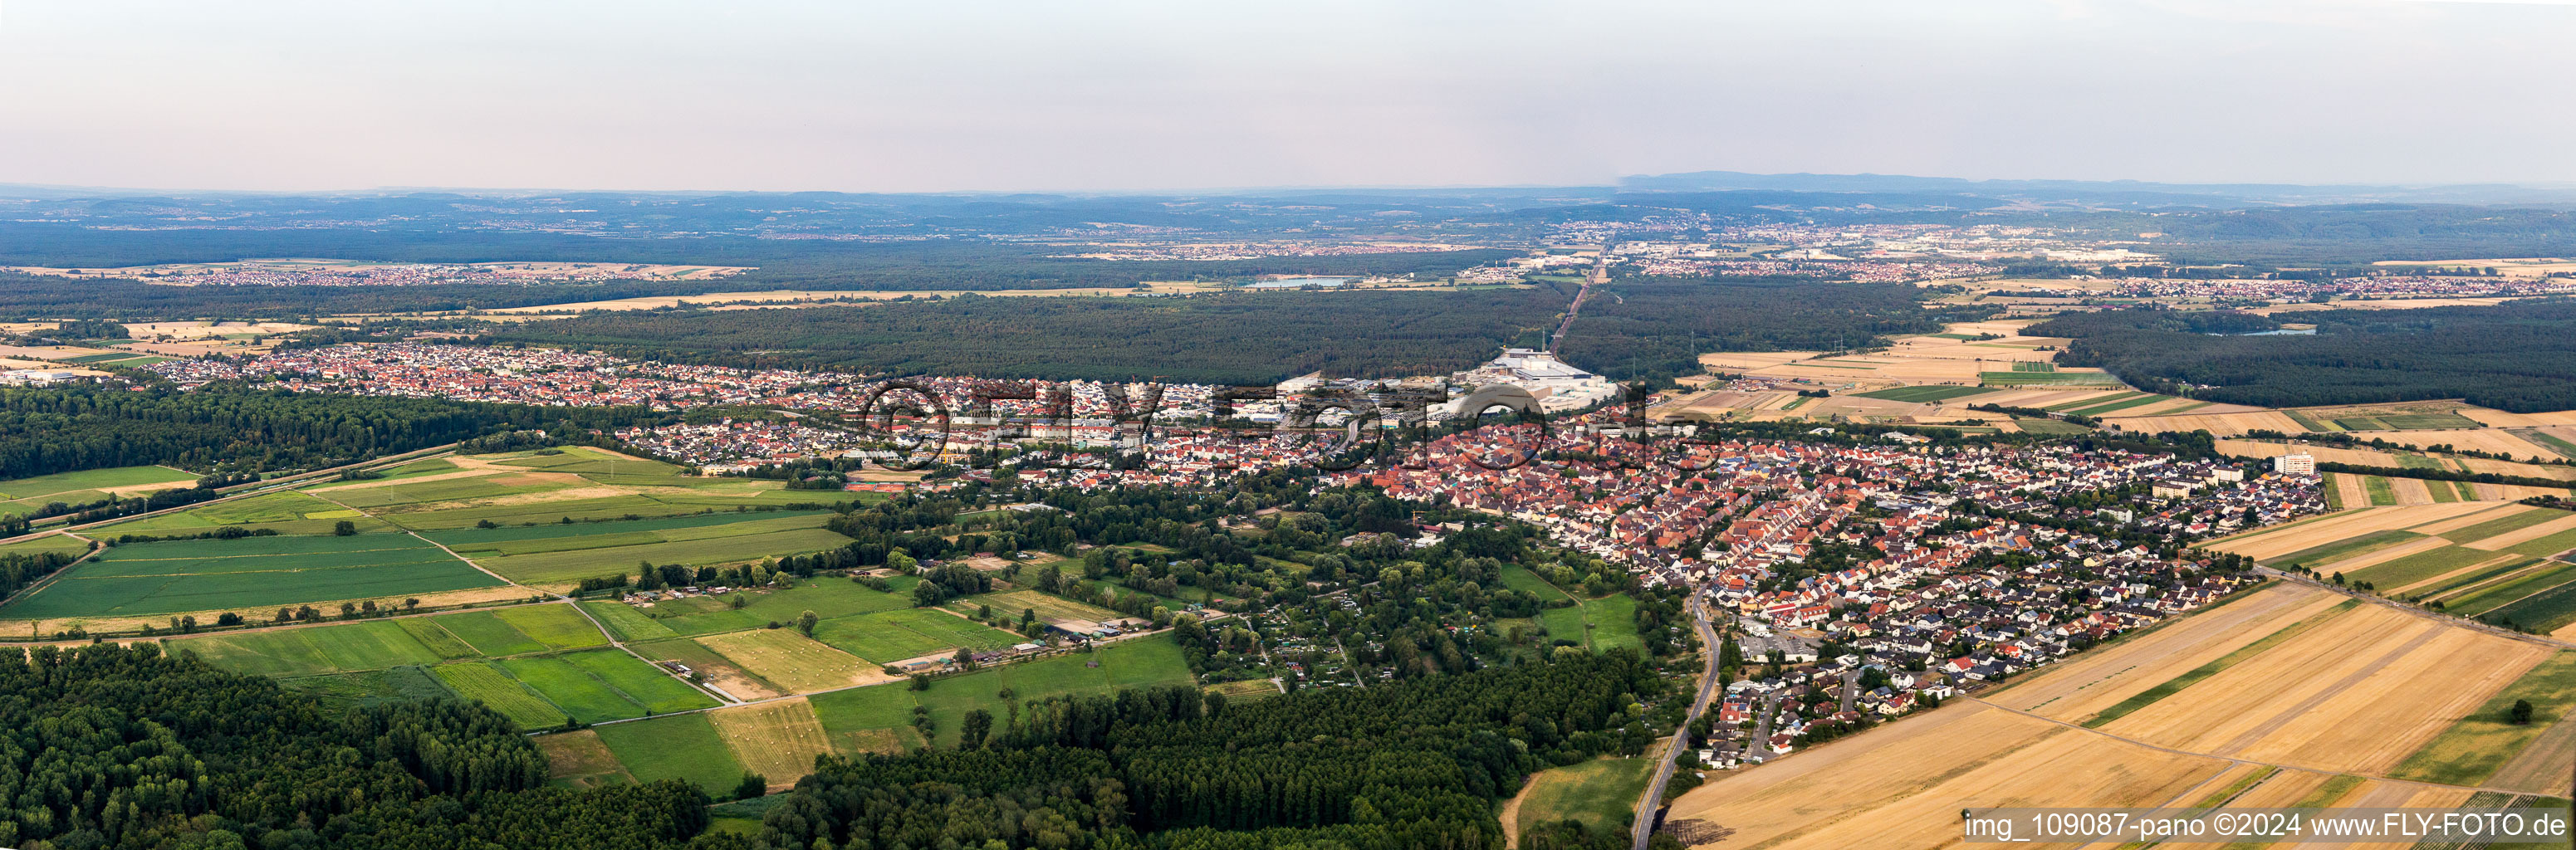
2104,193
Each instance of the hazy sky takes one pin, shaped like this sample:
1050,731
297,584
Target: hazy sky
980,95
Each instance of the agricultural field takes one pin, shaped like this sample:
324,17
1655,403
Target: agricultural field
1901,785
247,574
1602,793
886,637
2477,746
1925,393
315,650
681,746
2286,675
777,740
372,687
287,513
882,716
827,598
2339,535
484,683
379,644
721,674
562,554
20,496
62,543
1049,608
580,760
794,661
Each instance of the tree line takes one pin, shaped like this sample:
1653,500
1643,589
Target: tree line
49,430
1410,764
2516,356
106,746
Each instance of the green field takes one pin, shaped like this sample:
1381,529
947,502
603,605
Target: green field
2020,378
873,718
681,746
394,497
26,495
1614,621
646,685
379,644
582,696
398,684
2472,579
827,598
1601,793
368,645
414,469
2033,366
62,543
1520,578
626,623
2417,567
584,460
2546,547
247,573
481,682
885,711
2549,574
2119,404
288,513
2472,749
2542,611
2049,427
886,637
2307,420
93,479
561,553
1927,393
2381,492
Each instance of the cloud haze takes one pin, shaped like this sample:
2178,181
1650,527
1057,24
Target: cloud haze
1141,96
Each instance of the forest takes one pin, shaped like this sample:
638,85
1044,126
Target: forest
1655,328
109,746
44,431
1409,764
1229,338
2516,356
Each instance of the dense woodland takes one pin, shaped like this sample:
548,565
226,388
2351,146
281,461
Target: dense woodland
1656,328
2518,356
44,431
1232,338
1411,764
115,747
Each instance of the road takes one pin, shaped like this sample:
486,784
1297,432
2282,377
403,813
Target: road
1600,274
1650,805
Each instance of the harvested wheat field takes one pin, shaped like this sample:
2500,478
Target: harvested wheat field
2490,440
777,740
2348,694
2090,682
2337,527
2524,535
2502,419
1901,787
2221,424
